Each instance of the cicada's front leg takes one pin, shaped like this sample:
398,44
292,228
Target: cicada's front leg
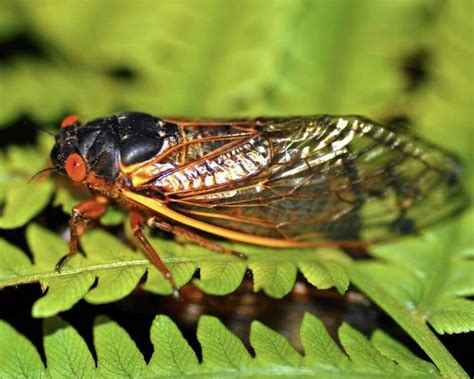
136,224
81,215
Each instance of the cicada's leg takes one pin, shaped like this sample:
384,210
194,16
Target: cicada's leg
81,215
136,224
155,222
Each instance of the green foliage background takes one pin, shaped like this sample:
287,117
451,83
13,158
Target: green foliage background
382,59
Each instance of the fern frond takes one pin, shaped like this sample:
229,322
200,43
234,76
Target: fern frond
223,354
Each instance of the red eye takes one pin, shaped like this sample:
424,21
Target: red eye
70,120
76,167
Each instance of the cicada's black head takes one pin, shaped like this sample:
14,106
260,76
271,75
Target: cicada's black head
93,147
103,145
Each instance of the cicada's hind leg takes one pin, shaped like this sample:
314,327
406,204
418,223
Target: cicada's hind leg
155,222
81,215
136,224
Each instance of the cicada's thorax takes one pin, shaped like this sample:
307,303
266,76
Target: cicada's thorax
205,157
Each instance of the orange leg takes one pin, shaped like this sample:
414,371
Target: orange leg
155,222
136,224
82,214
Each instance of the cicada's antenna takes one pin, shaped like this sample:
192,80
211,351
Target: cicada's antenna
44,131
47,169
41,129
32,124
67,121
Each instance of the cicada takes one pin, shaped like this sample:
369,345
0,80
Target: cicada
294,182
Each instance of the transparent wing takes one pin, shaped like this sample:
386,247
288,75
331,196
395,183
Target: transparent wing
332,178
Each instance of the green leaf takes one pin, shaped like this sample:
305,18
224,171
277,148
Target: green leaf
364,356
221,278
62,294
419,281
275,278
117,270
324,275
67,355
427,276
18,357
21,205
396,352
319,346
172,353
117,354
272,349
21,200
452,315
13,261
221,350
110,252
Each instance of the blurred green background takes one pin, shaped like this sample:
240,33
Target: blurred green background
381,58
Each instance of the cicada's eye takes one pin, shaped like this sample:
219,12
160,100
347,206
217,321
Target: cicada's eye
70,120
76,167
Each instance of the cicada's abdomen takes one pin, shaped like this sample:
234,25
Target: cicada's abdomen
238,162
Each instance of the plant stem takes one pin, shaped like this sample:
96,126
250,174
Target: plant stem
410,321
